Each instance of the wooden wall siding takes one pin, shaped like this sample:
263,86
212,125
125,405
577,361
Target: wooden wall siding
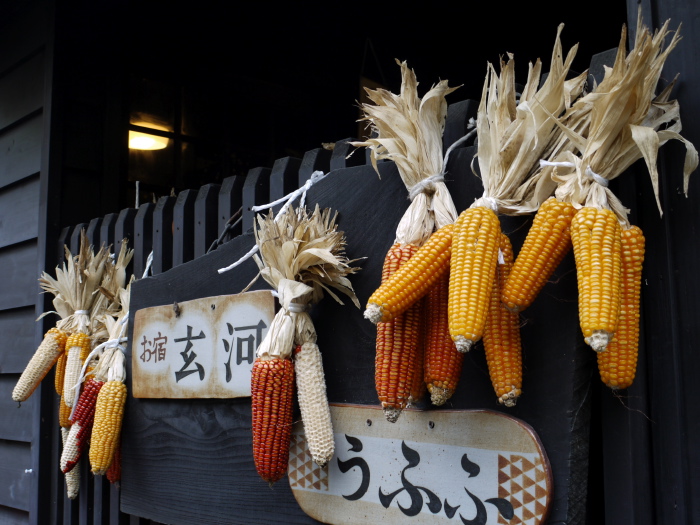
17,329
21,151
24,87
17,474
10,516
16,223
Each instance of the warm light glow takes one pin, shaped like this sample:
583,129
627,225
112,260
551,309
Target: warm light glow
138,140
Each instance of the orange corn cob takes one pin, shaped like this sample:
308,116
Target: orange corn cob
546,244
596,237
109,412
502,336
60,373
83,418
407,284
272,395
443,363
618,364
399,348
45,356
472,271
64,414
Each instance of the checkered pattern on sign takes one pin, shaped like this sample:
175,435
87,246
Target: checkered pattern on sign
523,482
303,472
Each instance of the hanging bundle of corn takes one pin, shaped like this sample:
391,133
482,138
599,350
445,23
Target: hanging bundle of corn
606,131
411,354
74,292
302,256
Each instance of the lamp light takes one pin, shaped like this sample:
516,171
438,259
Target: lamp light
146,141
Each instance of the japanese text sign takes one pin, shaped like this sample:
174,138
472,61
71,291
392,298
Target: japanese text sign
203,348
476,467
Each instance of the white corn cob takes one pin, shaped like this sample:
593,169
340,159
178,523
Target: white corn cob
71,450
313,402
73,476
44,358
76,345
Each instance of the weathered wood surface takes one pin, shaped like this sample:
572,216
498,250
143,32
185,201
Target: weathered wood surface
21,151
17,475
24,86
178,455
20,286
17,326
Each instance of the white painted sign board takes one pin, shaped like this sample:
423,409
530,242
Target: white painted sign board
477,467
202,348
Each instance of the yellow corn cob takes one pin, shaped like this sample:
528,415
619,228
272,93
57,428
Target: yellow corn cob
60,373
109,412
64,414
272,395
443,363
399,348
412,280
595,234
502,336
73,476
472,271
546,244
39,365
77,345
313,403
618,364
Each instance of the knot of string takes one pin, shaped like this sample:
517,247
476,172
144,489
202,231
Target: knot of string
597,178
82,312
287,199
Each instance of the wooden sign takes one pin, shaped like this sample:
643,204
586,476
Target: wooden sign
472,467
202,348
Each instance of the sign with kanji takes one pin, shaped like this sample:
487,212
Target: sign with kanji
476,466
203,348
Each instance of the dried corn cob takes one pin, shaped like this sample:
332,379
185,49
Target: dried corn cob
596,234
472,271
72,477
443,363
114,472
546,244
83,419
39,365
313,403
399,349
413,279
272,393
109,412
502,336
64,414
618,364
60,373
77,345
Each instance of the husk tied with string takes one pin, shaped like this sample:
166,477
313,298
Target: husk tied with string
410,354
302,256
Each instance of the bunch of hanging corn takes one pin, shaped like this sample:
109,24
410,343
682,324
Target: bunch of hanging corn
410,353
301,256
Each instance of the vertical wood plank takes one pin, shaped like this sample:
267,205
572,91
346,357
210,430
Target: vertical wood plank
183,227
124,232
62,242
339,155
107,230
100,501
206,215
457,122
256,191
93,232
163,235
314,160
85,496
230,201
75,237
143,237
283,178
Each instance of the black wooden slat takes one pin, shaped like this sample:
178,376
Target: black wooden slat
9,516
17,423
116,516
283,178
75,238
183,227
93,232
339,155
163,235
18,217
100,513
318,159
21,151
17,326
62,242
20,286
230,200
256,191
17,474
85,497
107,229
143,237
124,230
71,509
23,34
24,86
206,216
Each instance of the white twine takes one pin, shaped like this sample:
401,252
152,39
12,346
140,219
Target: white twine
593,175
427,185
297,308
589,172
82,312
149,262
544,163
486,202
287,199
98,350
